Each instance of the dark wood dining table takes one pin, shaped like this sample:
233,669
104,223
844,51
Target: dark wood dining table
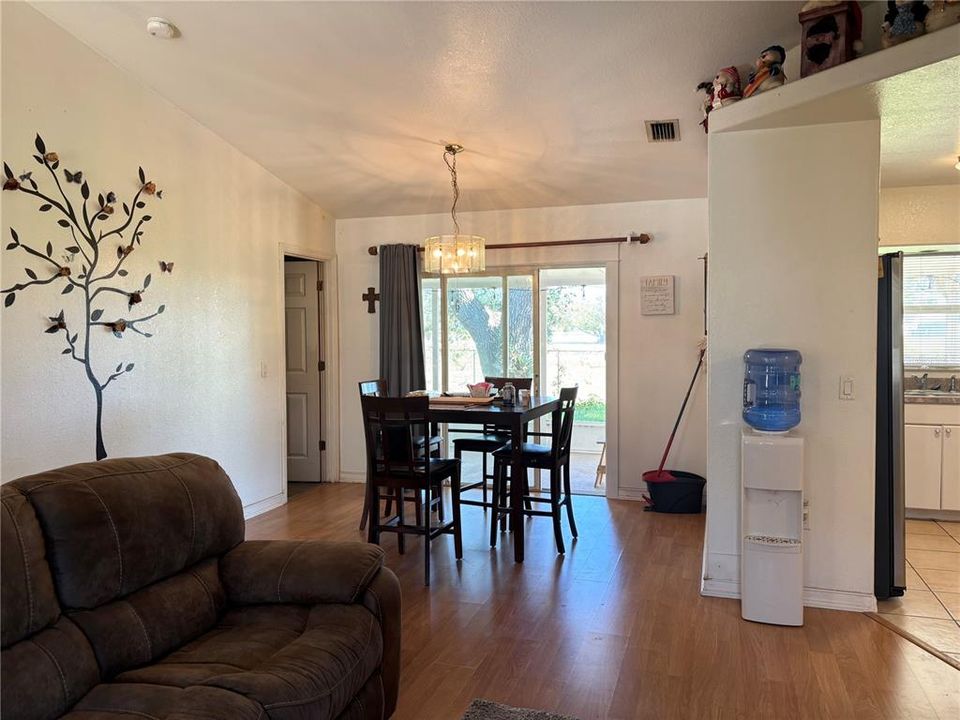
512,418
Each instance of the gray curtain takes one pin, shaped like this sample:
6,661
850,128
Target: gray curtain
401,331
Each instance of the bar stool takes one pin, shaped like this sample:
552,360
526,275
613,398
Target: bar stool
554,458
391,426
378,388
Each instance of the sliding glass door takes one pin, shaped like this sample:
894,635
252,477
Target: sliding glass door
489,328
548,324
574,352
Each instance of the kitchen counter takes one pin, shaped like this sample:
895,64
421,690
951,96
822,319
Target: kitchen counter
932,398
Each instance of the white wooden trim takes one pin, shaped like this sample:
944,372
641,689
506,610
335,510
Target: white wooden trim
262,506
848,600
720,588
330,423
612,279
353,477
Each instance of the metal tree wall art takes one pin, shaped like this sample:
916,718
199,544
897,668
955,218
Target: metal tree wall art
103,249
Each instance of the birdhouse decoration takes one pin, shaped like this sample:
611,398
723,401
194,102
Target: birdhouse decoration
831,35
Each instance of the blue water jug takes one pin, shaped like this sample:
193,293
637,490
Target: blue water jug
771,389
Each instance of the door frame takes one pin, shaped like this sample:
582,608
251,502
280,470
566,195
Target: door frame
330,382
612,279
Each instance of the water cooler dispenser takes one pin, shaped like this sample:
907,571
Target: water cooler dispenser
771,560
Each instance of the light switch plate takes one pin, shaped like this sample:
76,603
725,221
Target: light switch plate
847,389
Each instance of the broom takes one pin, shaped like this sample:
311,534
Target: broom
661,475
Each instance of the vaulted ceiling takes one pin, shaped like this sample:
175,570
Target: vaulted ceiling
352,102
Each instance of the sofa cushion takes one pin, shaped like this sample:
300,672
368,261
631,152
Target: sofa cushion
28,602
115,526
148,624
296,661
43,676
134,701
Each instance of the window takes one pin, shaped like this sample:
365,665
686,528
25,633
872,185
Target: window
931,310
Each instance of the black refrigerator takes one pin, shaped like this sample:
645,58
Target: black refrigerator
890,572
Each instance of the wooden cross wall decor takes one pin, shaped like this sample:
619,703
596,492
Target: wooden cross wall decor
371,297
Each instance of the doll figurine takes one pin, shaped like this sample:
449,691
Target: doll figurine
768,71
706,105
726,87
903,21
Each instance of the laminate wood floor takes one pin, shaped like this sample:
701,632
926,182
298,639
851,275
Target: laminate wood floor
617,628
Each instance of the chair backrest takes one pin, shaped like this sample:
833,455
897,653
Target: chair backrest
563,431
518,383
377,388
390,427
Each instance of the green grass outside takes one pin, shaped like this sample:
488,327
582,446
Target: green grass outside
591,410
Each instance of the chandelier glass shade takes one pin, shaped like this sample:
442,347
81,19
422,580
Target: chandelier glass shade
453,254
457,253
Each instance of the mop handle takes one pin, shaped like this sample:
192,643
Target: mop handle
676,425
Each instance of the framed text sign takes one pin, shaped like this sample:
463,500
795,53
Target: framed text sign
656,295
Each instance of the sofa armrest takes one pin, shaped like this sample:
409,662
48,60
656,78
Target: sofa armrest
304,571
382,598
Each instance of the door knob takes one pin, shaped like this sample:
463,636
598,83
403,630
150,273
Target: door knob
936,432
946,431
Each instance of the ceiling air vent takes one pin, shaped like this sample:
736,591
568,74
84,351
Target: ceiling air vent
663,131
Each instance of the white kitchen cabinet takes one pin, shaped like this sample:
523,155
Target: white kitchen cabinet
950,469
923,458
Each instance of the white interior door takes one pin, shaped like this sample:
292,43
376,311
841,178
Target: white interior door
302,345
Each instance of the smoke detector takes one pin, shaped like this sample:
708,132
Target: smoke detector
659,131
162,28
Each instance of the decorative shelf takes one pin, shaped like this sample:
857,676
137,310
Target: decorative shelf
845,93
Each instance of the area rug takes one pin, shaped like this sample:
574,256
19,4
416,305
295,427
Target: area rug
486,710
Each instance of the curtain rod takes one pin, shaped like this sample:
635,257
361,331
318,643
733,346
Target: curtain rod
642,238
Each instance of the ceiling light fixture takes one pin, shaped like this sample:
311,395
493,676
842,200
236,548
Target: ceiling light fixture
457,253
162,28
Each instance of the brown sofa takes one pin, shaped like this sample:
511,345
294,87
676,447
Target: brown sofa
128,593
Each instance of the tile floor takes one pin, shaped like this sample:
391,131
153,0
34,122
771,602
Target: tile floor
930,608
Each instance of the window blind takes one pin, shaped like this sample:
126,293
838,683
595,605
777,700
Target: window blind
931,310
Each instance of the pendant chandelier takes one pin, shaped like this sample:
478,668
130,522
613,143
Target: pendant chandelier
456,253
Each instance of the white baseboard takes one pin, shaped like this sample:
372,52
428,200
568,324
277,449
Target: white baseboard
262,506
945,515
352,477
630,493
812,597
839,600
720,588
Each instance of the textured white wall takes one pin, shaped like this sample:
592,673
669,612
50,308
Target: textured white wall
797,269
657,355
925,215
197,384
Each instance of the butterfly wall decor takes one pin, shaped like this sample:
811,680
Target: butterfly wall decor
76,177
166,267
